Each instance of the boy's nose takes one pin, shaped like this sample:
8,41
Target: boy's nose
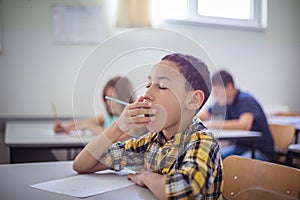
148,95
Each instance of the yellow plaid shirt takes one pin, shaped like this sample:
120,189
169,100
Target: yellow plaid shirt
190,159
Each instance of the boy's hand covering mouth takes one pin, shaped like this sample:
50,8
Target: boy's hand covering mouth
136,115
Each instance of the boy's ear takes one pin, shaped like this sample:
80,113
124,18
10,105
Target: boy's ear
195,99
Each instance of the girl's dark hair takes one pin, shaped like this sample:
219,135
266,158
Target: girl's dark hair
195,72
122,87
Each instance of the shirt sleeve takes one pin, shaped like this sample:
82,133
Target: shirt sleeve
248,105
216,110
128,154
200,173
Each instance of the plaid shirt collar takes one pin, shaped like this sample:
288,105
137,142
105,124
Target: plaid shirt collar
197,125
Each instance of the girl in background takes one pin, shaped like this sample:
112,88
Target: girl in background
117,87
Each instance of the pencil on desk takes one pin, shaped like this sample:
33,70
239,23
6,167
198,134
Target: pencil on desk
54,111
116,100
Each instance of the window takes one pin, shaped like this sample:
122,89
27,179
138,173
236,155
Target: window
250,14
234,9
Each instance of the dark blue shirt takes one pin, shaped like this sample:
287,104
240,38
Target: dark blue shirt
245,103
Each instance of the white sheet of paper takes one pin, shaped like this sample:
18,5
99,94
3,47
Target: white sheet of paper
85,185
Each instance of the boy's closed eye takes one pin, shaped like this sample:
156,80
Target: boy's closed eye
159,85
162,86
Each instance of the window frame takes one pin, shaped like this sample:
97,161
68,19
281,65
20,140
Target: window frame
259,21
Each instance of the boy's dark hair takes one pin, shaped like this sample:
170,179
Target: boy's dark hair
222,78
195,71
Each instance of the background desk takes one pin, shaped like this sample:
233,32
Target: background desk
233,135
288,120
227,134
16,178
21,135
36,134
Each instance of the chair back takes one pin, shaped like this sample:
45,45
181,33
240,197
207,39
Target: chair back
283,136
246,178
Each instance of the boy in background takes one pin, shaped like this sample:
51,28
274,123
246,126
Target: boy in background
242,112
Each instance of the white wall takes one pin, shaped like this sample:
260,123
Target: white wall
34,71
267,64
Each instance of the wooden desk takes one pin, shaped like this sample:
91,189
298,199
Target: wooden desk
37,134
287,120
233,135
16,178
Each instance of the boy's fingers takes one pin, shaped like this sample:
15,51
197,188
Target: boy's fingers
142,111
140,99
139,105
142,120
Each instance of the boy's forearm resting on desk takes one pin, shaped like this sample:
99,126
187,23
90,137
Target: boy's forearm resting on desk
88,160
155,182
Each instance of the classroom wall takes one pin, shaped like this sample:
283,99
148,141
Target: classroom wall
264,63
34,71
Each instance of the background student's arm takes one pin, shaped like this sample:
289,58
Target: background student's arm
59,128
244,122
94,124
204,115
